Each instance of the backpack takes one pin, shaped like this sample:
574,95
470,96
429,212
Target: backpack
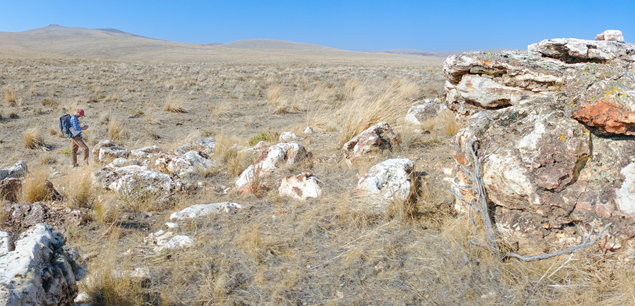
65,125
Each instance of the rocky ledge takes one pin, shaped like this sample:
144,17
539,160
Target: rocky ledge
559,119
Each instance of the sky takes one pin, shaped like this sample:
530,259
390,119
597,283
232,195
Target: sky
351,25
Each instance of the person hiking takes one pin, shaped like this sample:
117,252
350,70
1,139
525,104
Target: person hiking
76,137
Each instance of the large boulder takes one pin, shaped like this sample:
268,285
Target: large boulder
138,180
271,159
561,151
41,270
387,181
18,170
371,141
302,186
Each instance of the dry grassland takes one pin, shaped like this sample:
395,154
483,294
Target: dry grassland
275,251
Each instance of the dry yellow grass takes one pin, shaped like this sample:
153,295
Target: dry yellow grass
32,138
369,106
34,187
173,105
9,96
78,188
114,130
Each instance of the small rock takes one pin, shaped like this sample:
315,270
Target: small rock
287,136
177,242
308,131
159,238
201,210
373,140
171,225
419,113
302,186
610,35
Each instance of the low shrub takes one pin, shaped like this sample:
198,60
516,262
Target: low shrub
264,135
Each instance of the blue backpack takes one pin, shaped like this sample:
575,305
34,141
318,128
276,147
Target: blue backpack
65,125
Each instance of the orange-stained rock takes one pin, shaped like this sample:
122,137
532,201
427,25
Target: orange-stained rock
608,116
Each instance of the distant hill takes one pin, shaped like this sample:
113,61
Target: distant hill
56,41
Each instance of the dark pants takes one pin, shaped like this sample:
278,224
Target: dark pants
77,142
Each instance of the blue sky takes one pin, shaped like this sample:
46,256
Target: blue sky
351,25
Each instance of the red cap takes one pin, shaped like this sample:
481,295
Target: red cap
80,111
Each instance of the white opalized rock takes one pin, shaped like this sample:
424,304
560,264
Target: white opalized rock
373,140
201,210
177,242
287,136
18,170
302,186
389,180
270,159
39,271
185,165
625,195
205,145
159,238
136,180
488,93
610,35
422,112
122,162
146,152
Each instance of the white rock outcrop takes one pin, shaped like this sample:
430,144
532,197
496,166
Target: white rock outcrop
39,271
201,210
389,180
18,170
302,186
136,180
105,151
270,159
